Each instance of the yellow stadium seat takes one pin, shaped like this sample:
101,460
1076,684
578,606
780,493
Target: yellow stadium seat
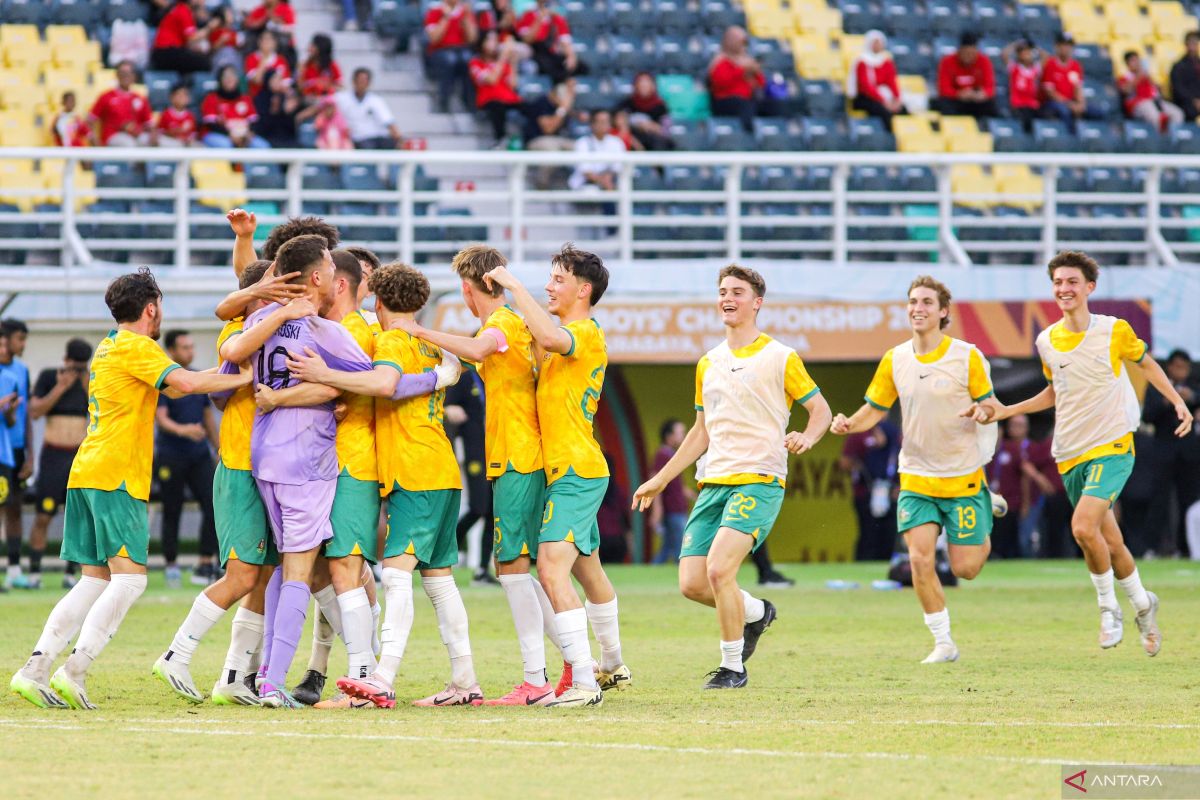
1117,49
1129,26
103,78
1018,179
55,81
70,35
1082,20
76,55
825,65
914,134
233,182
821,20
16,178
912,84
19,35
803,45
970,179
769,24
33,55
959,126
24,98
968,143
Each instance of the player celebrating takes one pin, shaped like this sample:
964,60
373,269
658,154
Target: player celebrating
745,389
503,349
107,527
942,456
419,476
568,393
1086,358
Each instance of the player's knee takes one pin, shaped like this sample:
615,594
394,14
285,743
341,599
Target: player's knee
921,561
967,570
1083,532
691,589
719,574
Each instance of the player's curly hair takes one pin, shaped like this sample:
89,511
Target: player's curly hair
746,274
1077,259
943,294
128,295
299,226
476,260
253,273
402,289
586,267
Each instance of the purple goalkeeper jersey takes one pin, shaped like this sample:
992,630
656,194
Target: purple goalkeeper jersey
296,445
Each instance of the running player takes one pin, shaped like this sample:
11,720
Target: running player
503,351
420,478
1086,358
107,527
942,456
745,389
568,393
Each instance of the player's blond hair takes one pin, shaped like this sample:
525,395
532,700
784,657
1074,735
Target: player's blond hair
476,260
943,294
402,289
1077,259
746,274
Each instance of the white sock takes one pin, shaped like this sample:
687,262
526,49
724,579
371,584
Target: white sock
452,623
397,621
527,619
731,655
322,644
245,639
376,613
1104,589
328,603
754,608
204,614
1135,591
356,630
603,617
548,625
63,625
939,625
103,620
572,632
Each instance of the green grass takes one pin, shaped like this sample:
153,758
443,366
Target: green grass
837,705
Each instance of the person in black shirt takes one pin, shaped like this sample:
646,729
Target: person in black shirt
464,410
647,113
1176,461
1185,78
186,426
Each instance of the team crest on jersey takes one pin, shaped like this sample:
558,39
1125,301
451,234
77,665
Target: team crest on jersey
262,546
904,515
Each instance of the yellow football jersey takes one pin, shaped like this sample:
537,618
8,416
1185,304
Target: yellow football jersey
410,441
513,438
128,371
568,394
237,419
356,432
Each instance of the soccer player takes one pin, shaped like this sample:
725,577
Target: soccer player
419,476
1086,358
503,351
107,527
942,456
568,393
20,434
245,223
745,389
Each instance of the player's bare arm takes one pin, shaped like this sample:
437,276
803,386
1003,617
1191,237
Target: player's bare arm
992,410
300,396
1154,373
471,348
692,447
243,223
239,348
819,419
984,411
187,382
546,332
271,288
866,418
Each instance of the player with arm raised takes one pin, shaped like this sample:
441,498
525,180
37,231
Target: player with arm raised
1086,358
942,456
107,527
745,388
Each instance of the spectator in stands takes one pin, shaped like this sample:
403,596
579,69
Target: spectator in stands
277,16
265,59
1062,83
227,114
224,40
872,83
1141,96
451,29
495,79
1054,527
549,36
70,129
332,131
502,18
1024,81
623,130
179,44
966,81
647,114
599,141
613,519
871,458
176,126
1185,78
350,15
735,78
1176,460
669,511
321,75
548,118
371,124
124,116
277,105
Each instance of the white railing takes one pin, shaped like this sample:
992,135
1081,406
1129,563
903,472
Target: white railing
822,206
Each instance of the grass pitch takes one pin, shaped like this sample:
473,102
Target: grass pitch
838,705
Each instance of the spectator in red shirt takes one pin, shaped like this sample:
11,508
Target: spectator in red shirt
1062,83
549,36
451,30
70,129
502,18
228,113
1024,81
321,75
669,511
179,43
966,81
124,116
735,78
176,125
224,40
872,84
264,60
1142,99
495,80
274,15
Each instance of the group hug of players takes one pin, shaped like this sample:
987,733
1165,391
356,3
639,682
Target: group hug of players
331,412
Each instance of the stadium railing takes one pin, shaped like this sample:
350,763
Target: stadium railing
957,209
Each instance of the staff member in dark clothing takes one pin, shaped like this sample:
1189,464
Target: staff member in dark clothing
871,458
1176,461
464,410
186,426
61,396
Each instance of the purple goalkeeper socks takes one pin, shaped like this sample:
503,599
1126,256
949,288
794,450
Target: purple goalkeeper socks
289,622
270,604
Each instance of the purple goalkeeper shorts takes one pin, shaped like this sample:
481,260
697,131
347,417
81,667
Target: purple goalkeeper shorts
299,513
